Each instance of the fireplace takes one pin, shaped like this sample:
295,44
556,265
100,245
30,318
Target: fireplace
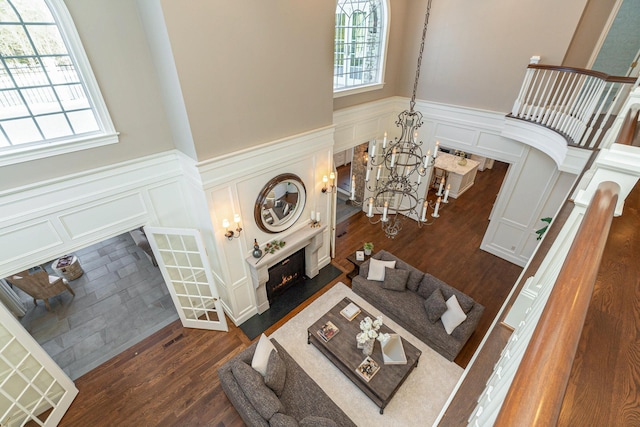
285,274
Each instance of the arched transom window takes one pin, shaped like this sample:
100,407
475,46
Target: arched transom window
360,39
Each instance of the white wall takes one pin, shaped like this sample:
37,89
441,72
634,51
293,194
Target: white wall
232,183
43,221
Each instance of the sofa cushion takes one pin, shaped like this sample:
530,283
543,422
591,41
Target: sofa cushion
394,279
377,269
276,373
415,275
282,420
261,356
261,397
312,421
454,315
435,306
430,283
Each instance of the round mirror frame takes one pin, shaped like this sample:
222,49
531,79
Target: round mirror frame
293,215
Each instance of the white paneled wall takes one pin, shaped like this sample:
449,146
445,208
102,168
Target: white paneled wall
231,186
46,220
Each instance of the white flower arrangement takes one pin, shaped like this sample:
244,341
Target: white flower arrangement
370,329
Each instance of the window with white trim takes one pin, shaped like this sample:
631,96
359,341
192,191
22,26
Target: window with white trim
49,100
360,39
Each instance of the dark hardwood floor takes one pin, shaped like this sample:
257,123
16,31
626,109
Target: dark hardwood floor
170,378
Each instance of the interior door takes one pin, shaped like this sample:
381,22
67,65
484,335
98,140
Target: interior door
183,261
33,389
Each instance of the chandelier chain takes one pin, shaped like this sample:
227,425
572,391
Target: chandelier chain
412,103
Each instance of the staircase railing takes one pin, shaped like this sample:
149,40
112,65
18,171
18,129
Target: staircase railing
537,391
529,379
579,104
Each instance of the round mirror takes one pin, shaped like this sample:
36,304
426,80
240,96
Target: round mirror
280,203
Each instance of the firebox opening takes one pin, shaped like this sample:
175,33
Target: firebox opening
287,273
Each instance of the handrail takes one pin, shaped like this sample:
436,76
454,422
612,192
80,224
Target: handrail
578,104
536,393
594,73
629,126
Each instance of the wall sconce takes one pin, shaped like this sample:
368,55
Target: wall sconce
325,181
231,234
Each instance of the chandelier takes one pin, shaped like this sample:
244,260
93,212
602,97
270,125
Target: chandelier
398,174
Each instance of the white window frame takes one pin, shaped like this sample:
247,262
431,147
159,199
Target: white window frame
384,27
107,133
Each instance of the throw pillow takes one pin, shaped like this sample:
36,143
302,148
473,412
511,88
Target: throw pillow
276,373
430,283
435,306
261,355
282,420
394,279
376,269
453,316
313,421
261,397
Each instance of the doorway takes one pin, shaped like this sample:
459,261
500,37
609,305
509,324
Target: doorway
619,51
120,299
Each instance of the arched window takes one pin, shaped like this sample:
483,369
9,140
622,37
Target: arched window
49,100
360,40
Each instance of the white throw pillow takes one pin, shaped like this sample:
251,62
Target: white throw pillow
376,269
453,316
261,355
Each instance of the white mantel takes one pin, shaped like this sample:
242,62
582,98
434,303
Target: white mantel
309,238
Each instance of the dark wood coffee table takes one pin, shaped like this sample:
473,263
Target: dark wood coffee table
343,352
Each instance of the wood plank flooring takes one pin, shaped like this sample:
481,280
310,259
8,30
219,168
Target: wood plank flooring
170,378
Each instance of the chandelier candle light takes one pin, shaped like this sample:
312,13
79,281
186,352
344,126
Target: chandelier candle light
399,168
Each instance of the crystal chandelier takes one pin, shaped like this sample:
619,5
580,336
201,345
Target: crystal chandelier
398,174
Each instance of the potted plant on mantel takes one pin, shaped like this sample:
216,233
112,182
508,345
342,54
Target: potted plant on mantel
368,248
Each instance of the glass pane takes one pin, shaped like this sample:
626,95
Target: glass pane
61,70
11,105
195,260
14,41
33,10
175,243
41,100
6,12
72,97
181,259
54,126
47,39
83,121
22,131
190,243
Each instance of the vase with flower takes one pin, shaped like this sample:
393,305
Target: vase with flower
369,332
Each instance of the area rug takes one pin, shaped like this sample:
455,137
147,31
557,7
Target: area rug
418,401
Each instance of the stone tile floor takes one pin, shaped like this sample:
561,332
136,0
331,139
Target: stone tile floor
120,299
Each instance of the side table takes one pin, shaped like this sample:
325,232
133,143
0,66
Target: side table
67,267
356,264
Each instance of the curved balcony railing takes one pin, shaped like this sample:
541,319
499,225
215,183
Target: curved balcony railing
579,104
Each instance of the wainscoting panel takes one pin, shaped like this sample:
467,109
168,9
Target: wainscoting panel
105,214
27,240
43,221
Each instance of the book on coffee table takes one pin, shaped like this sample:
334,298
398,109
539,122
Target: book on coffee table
350,312
368,368
328,331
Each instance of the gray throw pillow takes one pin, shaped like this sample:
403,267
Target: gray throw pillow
435,306
282,420
465,301
394,279
312,421
276,373
261,397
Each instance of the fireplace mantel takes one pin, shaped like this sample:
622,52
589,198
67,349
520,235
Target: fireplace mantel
309,238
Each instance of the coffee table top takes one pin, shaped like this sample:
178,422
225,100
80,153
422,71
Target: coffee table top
343,352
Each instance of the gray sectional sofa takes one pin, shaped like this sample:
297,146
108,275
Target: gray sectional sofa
406,306
297,400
